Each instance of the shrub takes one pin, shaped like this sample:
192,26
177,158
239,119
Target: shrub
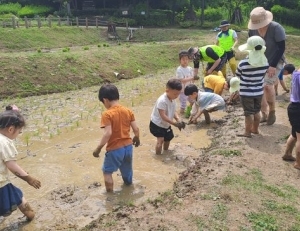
286,16
31,11
213,14
12,8
8,17
187,24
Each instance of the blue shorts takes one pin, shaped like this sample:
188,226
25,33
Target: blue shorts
10,199
119,159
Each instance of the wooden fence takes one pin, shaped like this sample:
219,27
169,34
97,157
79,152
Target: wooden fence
54,21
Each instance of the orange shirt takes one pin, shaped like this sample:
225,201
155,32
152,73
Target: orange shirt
119,118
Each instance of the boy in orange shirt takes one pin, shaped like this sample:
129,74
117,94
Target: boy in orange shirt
116,122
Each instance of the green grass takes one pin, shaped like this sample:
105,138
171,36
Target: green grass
275,205
227,153
262,221
66,58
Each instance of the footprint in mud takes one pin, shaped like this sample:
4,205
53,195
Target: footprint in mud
94,185
68,194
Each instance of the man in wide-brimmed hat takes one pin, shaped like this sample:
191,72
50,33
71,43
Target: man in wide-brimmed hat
261,23
227,39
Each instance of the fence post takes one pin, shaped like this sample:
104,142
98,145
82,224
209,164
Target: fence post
39,22
86,23
68,21
59,22
26,22
77,22
49,22
96,22
13,22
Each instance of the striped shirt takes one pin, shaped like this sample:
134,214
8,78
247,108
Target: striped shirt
295,92
252,78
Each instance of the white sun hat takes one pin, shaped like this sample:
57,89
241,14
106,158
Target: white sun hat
256,48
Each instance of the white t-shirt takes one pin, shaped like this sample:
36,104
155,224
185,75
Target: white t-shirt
169,106
183,73
8,152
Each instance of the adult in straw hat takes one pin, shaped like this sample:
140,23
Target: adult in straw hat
227,39
261,24
251,72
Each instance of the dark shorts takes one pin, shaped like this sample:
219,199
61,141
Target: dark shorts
294,117
10,199
221,64
251,104
157,131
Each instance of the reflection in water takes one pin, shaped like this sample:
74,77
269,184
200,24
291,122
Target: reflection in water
56,147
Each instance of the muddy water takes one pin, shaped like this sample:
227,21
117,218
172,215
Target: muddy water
56,146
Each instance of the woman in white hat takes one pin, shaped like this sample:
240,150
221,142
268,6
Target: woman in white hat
261,23
251,72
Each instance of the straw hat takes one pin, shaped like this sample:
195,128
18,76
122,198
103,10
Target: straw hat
259,17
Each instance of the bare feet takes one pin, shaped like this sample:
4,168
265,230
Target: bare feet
288,158
271,118
244,135
297,166
255,132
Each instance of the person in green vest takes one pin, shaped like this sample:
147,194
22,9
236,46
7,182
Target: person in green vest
227,39
214,55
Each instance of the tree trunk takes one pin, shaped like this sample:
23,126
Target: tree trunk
237,17
202,12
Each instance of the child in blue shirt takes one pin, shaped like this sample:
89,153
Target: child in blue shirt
286,70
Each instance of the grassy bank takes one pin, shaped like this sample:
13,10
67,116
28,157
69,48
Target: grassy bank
47,60
40,61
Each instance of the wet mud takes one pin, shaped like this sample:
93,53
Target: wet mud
56,147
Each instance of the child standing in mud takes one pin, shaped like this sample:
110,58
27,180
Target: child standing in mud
11,197
294,118
185,74
116,122
163,114
251,71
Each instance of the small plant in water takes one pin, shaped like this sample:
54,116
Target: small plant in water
27,138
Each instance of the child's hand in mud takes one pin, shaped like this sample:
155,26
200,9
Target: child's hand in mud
96,152
136,141
192,120
180,125
32,181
